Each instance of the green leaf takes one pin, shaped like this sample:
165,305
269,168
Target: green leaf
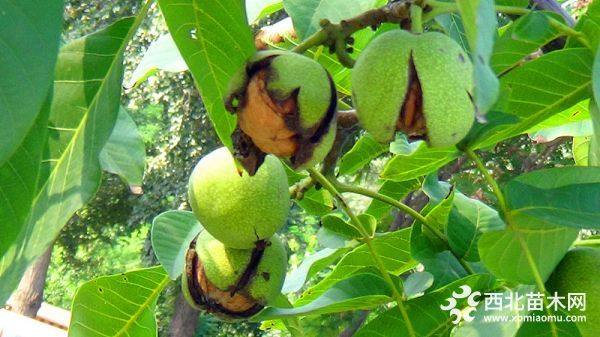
393,248
215,42
395,189
358,292
588,24
336,224
440,213
259,9
118,305
416,284
594,151
581,150
316,202
534,92
435,256
575,129
362,153
172,233
453,26
479,20
516,3
310,266
542,327
421,162
567,196
424,312
468,219
306,14
577,113
84,110
525,36
124,154
30,35
503,252
369,223
161,55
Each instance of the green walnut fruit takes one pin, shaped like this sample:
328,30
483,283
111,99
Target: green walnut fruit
233,283
286,106
236,208
418,84
579,272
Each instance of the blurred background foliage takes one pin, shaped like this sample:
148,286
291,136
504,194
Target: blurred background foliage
110,235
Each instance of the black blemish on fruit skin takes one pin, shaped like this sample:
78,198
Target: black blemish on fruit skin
266,276
461,58
255,258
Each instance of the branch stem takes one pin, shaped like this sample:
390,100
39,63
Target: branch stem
368,240
539,281
393,202
490,180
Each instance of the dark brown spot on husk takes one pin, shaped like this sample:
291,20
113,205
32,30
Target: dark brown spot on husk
411,120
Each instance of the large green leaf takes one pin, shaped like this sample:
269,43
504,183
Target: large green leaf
307,14
435,256
567,196
468,219
479,20
395,189
30,36
575,129
172,232
362,153
581,150
588,24
534,92
258,9
84,110
358,292
393,248
525,36
335,223
577,113
424,312
118,305
453,26
125,153
318,202
215,42
594,150
505,253
421,162
311,265
161,55
540,326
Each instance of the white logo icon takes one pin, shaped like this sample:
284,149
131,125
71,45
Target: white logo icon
472,302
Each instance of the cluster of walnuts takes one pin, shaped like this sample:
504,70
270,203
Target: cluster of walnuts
286,102
286,106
